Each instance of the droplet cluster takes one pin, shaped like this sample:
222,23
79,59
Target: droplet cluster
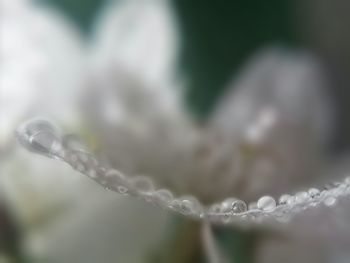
40,136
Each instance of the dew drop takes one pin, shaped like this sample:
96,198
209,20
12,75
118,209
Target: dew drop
41,137
239,207
233,205
122,189
115,177
164,195
266,203
142,184
313,192
186,207
330,200
284,199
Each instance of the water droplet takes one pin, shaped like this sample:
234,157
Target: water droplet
186,207
164,195
330,200
177,205
233,205
115,176
122,189
40,136
284,199
239,207
115,180
266,203
313,192
142,184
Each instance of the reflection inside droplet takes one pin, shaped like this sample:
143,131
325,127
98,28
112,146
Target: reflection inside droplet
41,137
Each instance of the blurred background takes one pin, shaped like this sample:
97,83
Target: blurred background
262,86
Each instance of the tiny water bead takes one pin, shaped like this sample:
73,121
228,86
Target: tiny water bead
122,189
40,136
313,192
233,205
164,195
182,206
266,203
115,181
284,199
115,176
330,200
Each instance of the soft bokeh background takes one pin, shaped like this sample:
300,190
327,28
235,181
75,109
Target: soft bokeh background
63,58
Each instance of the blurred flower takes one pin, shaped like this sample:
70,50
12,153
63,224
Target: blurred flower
42,72
34,79
35,76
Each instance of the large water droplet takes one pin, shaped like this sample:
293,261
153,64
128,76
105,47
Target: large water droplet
267,203
40,136
233,205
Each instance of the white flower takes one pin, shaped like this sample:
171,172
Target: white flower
267,136
41,67
35,76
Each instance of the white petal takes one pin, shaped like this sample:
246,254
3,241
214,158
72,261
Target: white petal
278,107
41,64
